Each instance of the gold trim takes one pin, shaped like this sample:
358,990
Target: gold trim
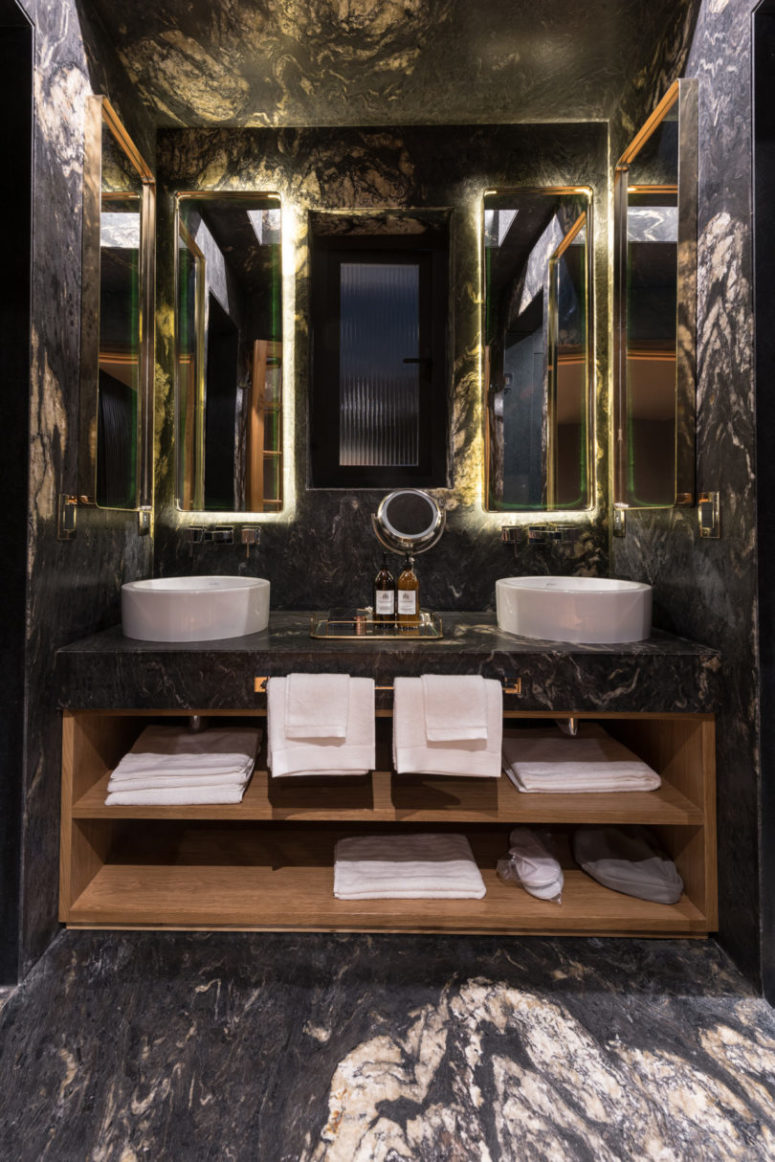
664,189
649,126
116,127
513,687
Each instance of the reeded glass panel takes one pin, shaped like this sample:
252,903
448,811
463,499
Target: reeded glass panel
379,370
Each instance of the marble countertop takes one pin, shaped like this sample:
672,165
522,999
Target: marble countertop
110,671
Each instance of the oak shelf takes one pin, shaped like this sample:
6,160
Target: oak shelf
384,797
267,862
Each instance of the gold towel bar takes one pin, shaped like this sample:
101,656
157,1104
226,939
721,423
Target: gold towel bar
515,687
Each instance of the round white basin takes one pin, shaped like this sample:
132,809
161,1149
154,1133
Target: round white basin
574,609
190,609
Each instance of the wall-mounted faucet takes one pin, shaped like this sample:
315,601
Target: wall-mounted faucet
194,535
537,534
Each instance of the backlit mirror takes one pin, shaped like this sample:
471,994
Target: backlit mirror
537,352
117,354
228,334
655,303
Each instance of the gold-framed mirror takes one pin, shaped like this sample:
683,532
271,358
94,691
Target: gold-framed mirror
538,367
228,343
655,307
116,412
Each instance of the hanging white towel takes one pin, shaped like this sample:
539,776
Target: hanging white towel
545,761
412,752
317,705
352,755
455,707
406,867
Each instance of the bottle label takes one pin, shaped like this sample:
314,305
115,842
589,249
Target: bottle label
407,601
385,602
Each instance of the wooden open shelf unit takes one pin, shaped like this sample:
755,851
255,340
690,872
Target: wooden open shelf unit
267,862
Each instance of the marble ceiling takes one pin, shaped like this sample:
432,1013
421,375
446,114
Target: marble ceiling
371,62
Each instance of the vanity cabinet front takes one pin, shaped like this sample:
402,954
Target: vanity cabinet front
267,862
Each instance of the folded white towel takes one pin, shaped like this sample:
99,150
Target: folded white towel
352,755
543,761
168,766
412,752
169,750
406,867
455,707
188,779
316,705
168,796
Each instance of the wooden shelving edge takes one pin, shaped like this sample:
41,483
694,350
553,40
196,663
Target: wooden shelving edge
275,871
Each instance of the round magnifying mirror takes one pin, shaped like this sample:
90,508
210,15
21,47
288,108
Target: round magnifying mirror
408,521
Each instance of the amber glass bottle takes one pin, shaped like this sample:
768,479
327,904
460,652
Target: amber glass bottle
384,594
408,595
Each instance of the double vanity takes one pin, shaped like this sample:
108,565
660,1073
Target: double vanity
266,863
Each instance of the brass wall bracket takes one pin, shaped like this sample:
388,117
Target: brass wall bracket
67,512
709,514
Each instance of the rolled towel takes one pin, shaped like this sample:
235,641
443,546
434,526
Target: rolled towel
412,752
406,867
355,754
536,867
545,761
627,860
455,707
316,705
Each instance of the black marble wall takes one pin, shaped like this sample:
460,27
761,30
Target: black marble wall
764,297
16,87
321,551
707,589
71,587
408,62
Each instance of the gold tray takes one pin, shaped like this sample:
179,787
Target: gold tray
361,627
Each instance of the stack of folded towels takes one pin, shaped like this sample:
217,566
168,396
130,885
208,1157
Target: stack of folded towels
448,724
546,761
168,765
406,867
320,724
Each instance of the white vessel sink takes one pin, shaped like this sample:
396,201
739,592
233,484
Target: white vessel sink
189,609
574,609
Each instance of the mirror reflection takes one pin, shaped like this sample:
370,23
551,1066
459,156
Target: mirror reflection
120,328
656,216
228,323
118,305
536,348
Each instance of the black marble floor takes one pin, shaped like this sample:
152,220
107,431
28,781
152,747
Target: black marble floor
287,1048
